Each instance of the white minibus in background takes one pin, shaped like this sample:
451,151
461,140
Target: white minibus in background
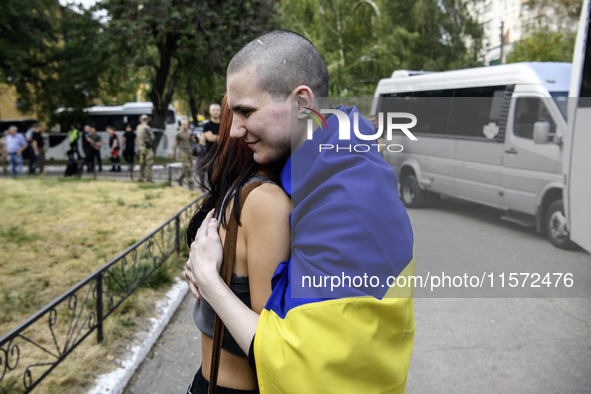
490,135
118,116
577,143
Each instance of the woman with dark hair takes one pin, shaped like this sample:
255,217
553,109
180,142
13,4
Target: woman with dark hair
263,241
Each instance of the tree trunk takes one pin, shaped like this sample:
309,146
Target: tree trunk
163,88
192,102
194,110
163,85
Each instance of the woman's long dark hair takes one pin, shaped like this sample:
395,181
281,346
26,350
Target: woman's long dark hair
227,166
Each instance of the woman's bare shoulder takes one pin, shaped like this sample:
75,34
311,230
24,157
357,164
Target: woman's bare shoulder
268,201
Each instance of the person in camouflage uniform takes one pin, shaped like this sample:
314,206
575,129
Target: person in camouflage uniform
146,141
183,140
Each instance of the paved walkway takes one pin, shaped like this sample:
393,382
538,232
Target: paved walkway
174,359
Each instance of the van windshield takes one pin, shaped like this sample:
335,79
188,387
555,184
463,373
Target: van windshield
561,99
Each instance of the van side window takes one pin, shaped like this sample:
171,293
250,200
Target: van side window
133,120
99,122
430,107
454,112
475,108
432,111
395,102
528,111
117,122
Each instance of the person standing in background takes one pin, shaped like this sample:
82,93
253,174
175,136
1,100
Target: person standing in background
114,146
198,149
32,157
211,128
129,146
146,142
96,143
87,147
73,137
38,148
15,145
183,140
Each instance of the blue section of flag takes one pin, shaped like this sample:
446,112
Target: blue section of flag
347,221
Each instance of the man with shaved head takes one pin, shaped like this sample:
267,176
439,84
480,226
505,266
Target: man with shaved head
347,223
211,128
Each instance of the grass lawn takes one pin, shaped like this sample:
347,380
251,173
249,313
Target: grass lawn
54,232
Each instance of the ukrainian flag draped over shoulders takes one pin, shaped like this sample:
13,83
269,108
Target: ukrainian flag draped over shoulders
348,226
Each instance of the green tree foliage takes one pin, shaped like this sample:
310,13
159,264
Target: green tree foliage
81,57
544,46
363,41
202,78
551,32
51,54
27,37
67,57
172,41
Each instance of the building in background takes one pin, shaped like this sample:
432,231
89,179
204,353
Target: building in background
506,21
500,18
9,105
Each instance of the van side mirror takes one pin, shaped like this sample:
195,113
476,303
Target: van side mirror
541,132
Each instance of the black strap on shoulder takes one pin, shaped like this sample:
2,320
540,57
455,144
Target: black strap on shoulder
226,274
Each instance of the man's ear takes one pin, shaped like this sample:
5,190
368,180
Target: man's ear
304,98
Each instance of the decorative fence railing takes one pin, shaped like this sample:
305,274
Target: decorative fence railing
174,173
32,350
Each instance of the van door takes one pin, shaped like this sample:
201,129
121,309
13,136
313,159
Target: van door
434,152
474,123
529,167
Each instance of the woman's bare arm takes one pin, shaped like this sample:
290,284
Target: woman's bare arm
265,223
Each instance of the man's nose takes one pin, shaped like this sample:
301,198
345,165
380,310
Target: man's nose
237,130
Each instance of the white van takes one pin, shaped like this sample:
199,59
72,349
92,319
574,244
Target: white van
491,135
118,116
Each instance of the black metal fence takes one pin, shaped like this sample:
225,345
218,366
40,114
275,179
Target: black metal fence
174,173
32,350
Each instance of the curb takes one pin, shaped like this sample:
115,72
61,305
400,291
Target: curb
115,382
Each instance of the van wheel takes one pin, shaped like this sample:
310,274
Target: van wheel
410,193
556,226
